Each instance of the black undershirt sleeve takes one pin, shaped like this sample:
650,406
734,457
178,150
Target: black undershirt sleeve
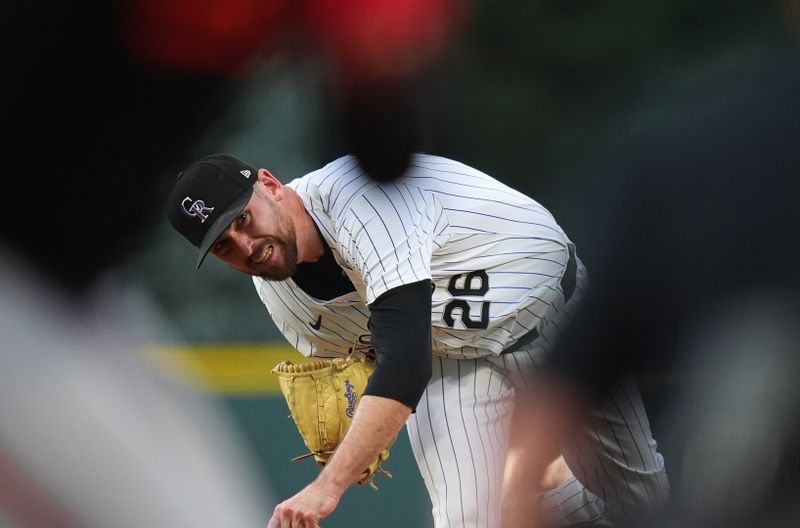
400,320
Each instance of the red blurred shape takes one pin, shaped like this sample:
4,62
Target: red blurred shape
383,38
211,36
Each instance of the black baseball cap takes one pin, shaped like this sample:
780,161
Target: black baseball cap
208,196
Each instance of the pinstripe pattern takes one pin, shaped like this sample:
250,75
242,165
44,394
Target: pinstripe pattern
496,259
461,424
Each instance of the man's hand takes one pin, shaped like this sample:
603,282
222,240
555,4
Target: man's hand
376,423
306,509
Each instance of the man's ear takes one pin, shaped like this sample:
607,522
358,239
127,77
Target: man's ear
271,184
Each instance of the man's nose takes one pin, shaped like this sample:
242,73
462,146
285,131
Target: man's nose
244,243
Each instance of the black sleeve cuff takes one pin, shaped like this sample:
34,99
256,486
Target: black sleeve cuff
400,320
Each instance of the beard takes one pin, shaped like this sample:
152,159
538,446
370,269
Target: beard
282,263
274,256
284,260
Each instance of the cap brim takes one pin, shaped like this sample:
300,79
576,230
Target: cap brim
222,222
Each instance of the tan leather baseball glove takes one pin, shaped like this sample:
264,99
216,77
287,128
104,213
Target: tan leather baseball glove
322,397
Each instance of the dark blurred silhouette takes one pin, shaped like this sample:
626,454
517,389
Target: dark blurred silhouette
93,126
90,434
691,234
380,57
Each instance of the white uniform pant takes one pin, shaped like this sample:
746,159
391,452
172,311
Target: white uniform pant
459,436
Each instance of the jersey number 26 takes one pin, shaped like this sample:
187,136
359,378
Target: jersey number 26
475,284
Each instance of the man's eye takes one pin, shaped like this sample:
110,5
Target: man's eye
220,245
242,218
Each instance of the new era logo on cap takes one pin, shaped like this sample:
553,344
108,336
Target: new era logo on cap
207,197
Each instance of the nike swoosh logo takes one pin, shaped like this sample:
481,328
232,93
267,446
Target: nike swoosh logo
316,325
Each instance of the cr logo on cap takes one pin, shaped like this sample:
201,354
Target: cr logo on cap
198,209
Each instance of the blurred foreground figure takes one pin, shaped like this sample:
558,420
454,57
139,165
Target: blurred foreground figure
90,436
696,280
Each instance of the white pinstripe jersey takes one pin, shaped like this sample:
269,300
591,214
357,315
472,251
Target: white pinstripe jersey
495,257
